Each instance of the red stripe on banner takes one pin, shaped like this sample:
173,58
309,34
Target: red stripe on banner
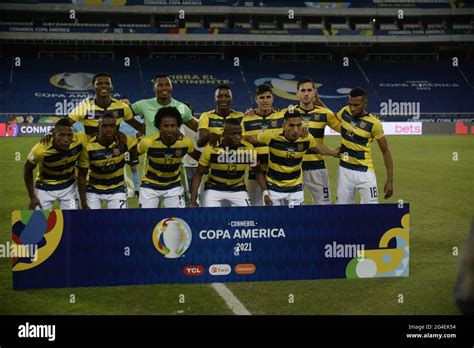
3,129
461,128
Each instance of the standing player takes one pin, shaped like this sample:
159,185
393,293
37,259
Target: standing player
315,119
262,119
211,123
104,160
56,178
149,107
285,174
90,110
356,169
226,164
165,151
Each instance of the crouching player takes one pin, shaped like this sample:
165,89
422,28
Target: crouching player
227,163
104,160
165,151
56,178
286,152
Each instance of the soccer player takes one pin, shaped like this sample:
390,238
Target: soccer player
211,123
356,169
149,107
315,119
262,119
56,178
90,110
165,151
287,148
103,158
226,164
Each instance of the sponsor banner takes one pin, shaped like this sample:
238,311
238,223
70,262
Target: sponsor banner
26,129
151,246
464,128
392,128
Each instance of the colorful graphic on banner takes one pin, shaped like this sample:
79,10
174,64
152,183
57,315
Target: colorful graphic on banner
152,246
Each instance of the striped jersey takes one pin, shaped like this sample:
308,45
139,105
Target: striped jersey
89,113
252,125
215,123
357,136
316,120
163,168
56,168
285,172
106,165
227,166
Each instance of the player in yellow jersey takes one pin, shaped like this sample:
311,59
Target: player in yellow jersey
165,151
226,164
356,169
56,178
211,123
104,160
285,174
262,119
315,119
90,110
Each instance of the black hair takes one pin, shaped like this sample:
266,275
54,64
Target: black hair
63,122
304,80
222,87
291,113
107,114
263,88
159,76
101,74
358,92
232,122
169,112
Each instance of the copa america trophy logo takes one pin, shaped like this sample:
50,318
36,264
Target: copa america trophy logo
172,237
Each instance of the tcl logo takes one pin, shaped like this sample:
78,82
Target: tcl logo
193,270
217,270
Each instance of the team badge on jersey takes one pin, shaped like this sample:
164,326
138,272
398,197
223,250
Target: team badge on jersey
274,123
115,113
316,117
179,153
300,147
116,151
362,124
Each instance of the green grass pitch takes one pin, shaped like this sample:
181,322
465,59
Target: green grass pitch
438,188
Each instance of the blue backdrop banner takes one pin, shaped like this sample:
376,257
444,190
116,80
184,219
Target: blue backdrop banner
74,248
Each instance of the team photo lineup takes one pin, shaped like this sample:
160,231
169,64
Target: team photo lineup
305,161
281,150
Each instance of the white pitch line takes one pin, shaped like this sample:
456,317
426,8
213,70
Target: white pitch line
232,302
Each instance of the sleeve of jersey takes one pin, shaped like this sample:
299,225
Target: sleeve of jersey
205,157
377,130
312,141
35,155
143,145
186,114
203,122
137,108
190,145
264,138
334,122
84,158
128,114
131,142
338,115
79,113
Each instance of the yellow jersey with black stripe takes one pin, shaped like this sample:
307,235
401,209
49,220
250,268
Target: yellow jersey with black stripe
316,120
163,168
106,165
357,136
214,122
227,166
89,113
285,159
56,167
252,125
